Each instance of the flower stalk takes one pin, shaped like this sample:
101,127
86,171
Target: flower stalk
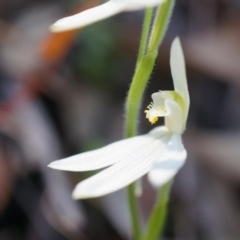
160,24
157,218
145,33
147,55
133,207
132,109
145,64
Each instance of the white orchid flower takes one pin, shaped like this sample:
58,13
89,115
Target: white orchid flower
160,153
101,12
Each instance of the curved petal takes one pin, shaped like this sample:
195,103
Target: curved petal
178,70
88,17
126,171
168,163
107,155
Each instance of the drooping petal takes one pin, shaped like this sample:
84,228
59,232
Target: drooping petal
178,70
101,12
104,156
168,162
107,155
126,171
88,17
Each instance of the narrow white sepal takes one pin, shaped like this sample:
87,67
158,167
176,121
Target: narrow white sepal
105,156
88,17
101,12
178,70
126,171
131,5
168,162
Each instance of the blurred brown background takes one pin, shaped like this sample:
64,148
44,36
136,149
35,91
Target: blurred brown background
62,94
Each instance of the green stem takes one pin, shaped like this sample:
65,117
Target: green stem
145,33
130,125
142,73
133,206
157,218
161,21
145,63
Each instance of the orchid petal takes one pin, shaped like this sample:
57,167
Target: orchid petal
173,121
124,172
168,162
101,12
158,99
88,17
131,5
104,156
107,155
178,70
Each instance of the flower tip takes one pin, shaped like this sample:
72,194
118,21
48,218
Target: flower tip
77,194
50,165
176,48
64,24
54,165
81,192
53,28
56,28
176,41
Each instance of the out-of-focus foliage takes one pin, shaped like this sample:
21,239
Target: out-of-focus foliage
96,55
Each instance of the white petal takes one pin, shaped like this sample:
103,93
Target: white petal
168,162
178,70
126,171
88,17
174,120
131,5
158,100
101,12
105,156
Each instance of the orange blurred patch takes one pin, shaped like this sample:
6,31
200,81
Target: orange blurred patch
55,47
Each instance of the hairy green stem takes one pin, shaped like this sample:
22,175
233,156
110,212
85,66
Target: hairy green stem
145,63
145,33
130,125
160,24
138,85
157,218
133,206
145,66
